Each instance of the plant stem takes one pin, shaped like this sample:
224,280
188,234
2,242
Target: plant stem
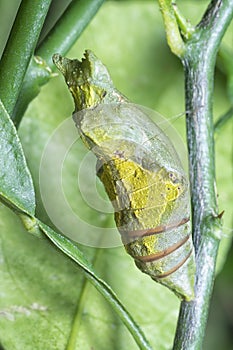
19,49
60,39
199,63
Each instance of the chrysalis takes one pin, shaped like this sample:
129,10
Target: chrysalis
141,172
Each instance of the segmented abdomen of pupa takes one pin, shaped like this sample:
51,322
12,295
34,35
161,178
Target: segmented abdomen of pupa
145,181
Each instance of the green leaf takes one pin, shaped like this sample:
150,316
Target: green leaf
16,187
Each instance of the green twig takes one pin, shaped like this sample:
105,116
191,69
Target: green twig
185,26
68,28
60,39
223,120
199,63
37,75
19,49
174,37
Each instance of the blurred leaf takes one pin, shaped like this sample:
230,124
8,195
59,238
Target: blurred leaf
16,187
71,250
39,301
36,310
225,65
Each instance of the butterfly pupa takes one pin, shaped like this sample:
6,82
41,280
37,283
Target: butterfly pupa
141,172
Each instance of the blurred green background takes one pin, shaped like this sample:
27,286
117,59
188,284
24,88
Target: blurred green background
129,37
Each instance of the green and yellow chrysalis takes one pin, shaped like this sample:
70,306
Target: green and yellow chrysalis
141,172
